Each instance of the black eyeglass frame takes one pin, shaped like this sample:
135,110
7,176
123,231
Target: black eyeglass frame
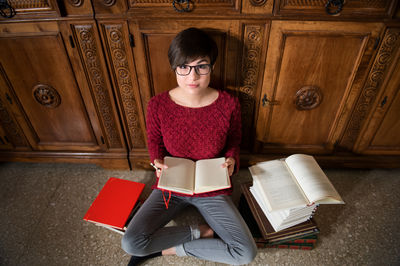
196,68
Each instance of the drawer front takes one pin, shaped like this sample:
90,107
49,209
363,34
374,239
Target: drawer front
340,8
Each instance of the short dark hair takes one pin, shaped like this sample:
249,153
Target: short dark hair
189,45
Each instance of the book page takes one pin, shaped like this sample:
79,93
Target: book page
312,179
210,175
179,176
278,185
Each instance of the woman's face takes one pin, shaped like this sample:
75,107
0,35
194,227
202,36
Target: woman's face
194,83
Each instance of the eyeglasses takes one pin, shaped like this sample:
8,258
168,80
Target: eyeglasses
185,70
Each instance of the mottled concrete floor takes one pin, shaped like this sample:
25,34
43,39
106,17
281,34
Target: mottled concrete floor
42,206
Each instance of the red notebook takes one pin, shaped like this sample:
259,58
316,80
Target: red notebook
114,203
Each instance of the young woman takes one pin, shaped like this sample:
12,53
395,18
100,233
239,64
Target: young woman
197,122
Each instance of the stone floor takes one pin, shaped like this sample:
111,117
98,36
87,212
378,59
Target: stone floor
42,206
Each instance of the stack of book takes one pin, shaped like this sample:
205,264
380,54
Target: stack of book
288,191
302,236
116,204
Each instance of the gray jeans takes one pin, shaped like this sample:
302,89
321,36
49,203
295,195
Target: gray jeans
147,234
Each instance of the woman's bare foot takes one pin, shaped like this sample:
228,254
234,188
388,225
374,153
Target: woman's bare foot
206,231
169,251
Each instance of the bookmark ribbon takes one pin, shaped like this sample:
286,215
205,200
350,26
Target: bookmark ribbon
166,201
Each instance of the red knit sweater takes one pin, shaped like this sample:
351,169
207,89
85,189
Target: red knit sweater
194,133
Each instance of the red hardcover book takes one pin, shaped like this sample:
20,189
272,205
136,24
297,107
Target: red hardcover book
114,203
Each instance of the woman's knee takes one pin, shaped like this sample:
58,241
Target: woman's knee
134,244
246,254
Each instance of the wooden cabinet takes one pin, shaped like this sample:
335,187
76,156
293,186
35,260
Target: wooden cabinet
61,105
312,75
76,76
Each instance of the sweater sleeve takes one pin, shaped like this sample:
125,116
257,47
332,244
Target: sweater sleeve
154,137
234,135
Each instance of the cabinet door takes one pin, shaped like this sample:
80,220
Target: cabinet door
380,135
313,73
151,42
43,92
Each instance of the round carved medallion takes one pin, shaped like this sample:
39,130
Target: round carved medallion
308,97
46,96
258,2
109,2
76,3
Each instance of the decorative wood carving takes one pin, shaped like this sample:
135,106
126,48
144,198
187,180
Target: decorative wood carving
46,95
308,97
322,3
258,2
75,3
90,53
168,3
29,4
109,2
10,127
390,44
115,38
253,42
133,2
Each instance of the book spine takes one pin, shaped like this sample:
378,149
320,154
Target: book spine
302,246
305,241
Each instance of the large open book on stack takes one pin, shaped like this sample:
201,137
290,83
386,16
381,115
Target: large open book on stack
188,177
289,190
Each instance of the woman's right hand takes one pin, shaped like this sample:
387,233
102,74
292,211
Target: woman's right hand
159,163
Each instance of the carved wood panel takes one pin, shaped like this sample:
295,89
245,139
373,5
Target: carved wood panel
383,59
91,56
123,72
27,8
252,63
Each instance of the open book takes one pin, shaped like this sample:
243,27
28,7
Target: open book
188,177
294,182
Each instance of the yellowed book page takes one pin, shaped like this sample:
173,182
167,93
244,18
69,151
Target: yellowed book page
179,176
210,175
315,184
277,185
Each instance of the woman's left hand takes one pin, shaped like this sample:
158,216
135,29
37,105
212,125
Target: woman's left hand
230,163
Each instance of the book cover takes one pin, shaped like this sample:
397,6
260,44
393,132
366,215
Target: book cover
114,203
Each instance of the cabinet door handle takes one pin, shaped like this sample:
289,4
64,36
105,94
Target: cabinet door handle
266,102
384,101
9,98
